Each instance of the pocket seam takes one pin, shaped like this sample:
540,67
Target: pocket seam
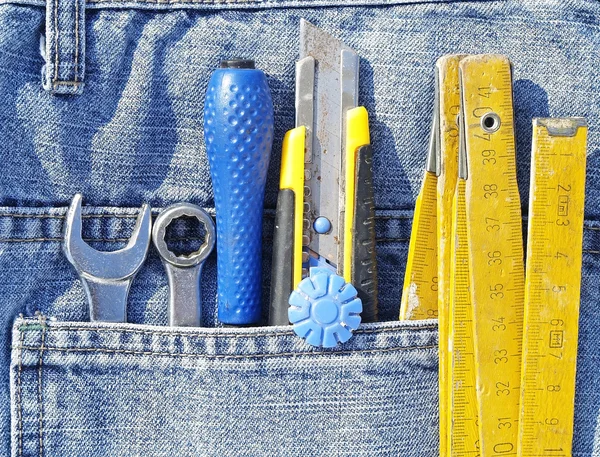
215,356
19,402
40,385
68,328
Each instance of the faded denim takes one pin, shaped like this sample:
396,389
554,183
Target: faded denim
105,97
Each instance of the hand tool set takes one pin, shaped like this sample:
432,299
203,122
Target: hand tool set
508,340
508,323
324,265
107,276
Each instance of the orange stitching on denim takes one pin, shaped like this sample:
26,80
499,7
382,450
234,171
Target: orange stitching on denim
42,320
124,240
19,404
227,356
38,240
169,2
33,216
62,216
210,210
66,83
63,327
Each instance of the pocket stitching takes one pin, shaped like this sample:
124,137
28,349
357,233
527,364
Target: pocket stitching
221,356
40,386
19,405
69,328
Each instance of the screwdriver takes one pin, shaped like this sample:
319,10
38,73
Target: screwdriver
238,131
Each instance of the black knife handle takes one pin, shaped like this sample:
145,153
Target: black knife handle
364,264
283,249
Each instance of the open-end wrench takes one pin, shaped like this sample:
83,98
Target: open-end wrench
106,276
183,271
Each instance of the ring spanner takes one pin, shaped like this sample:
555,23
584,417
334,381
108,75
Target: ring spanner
106,276
183,272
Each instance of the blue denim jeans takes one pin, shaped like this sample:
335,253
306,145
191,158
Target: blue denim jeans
105,97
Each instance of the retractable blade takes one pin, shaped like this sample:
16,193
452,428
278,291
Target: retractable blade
336,87
338,230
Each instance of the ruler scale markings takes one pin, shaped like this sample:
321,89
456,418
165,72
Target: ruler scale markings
426,287
552,294
447,88
463,378
495,278
463,430
419,294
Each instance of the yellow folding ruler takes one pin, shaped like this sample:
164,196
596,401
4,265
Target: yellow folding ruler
447,85
463,432
419,294
495,247
462,421
552,290
427,289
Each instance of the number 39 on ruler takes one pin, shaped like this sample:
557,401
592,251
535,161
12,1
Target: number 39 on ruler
494,228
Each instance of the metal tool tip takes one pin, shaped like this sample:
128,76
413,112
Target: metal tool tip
238,63
72,225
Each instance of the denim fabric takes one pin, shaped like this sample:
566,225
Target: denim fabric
133,134
134,390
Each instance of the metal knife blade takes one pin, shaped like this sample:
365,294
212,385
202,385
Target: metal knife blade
335,90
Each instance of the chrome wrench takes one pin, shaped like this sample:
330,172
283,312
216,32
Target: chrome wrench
184,271
106,276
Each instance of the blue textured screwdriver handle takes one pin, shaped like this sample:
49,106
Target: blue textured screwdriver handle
238,131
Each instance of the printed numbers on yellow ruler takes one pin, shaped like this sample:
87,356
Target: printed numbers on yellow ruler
464,434
494,231
448,108
552,290
419,294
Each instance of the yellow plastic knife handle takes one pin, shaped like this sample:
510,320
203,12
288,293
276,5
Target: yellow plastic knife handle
286,269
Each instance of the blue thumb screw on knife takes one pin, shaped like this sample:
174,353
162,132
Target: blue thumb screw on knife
238,131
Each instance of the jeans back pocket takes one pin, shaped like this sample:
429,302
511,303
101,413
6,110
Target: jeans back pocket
82,389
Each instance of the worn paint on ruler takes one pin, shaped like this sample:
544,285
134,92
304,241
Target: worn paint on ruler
419,294
449,108
494,230
554,250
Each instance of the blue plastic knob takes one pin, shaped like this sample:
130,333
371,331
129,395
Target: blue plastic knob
324,309
322,225
238,130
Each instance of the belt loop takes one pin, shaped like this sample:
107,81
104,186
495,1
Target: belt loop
65,47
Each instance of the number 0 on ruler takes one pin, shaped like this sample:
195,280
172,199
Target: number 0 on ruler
494,228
